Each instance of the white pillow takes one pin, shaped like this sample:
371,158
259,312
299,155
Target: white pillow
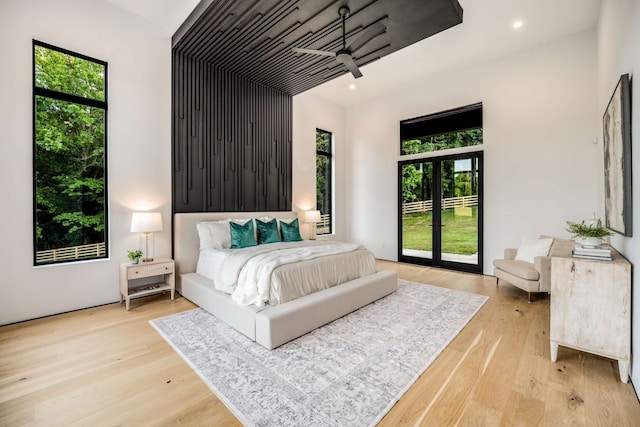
214,234
531,248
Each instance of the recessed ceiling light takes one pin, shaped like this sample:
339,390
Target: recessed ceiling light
352,86
517,24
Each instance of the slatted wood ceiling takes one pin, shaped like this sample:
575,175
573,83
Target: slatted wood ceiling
254,38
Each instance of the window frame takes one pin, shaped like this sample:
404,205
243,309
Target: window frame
466,117
329,156
71,98
458,119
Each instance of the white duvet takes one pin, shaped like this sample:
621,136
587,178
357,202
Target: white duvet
246,273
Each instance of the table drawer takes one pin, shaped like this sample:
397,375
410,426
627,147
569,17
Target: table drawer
149,270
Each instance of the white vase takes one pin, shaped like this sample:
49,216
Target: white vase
591,242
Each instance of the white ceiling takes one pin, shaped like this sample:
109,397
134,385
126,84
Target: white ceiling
167,14
485,34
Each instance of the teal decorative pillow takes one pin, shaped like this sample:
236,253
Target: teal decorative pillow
268,231
242,235
290,231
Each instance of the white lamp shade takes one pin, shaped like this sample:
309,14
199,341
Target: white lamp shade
312,216
146,222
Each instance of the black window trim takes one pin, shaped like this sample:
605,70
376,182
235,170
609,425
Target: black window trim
329,156
39,91
442,122
452,120
450,265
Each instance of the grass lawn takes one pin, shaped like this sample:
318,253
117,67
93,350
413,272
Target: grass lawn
459,233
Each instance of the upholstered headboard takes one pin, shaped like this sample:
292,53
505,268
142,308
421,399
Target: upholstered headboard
186,243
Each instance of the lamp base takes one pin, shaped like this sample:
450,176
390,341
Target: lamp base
146,243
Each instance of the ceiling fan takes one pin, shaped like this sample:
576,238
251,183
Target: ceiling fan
345,55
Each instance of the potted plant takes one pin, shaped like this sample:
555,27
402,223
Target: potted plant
590,234
134,256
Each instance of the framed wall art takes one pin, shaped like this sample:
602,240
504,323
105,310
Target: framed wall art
617,159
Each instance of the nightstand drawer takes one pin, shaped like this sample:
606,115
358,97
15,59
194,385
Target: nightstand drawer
149,270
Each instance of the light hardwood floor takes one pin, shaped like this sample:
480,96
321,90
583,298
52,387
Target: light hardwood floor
106,366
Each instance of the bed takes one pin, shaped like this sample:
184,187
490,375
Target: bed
270,326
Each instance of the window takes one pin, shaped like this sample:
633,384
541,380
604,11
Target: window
440,195
70,174
323,180
460,127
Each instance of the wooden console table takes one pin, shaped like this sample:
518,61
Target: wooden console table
591,308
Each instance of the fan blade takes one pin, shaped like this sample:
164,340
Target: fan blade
313,51
348,61
374,31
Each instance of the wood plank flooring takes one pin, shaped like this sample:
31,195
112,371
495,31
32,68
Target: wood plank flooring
106,366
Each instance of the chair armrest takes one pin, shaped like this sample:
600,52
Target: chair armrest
510,253
542,264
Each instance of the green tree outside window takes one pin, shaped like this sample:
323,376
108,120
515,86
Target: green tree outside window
69,149
323,180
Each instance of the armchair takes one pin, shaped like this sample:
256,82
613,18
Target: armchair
530,277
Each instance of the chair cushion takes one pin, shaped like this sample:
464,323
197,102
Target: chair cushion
522,269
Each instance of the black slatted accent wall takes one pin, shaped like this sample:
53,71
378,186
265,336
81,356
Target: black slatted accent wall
231,141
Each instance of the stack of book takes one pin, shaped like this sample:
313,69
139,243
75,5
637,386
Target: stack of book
602,253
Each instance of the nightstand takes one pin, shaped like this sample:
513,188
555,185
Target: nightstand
163,268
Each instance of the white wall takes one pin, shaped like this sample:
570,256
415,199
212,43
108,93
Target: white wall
139,146
619,53
311,112
539,125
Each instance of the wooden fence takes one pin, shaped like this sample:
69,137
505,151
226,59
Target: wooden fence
323,226
325,220
95,250
452,202
413,207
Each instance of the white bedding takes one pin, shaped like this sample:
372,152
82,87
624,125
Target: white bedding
248,274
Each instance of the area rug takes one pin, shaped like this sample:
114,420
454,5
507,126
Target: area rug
347,373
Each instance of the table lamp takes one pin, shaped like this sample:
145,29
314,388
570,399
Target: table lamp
146,223
312,217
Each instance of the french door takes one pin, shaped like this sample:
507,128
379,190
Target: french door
440,213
